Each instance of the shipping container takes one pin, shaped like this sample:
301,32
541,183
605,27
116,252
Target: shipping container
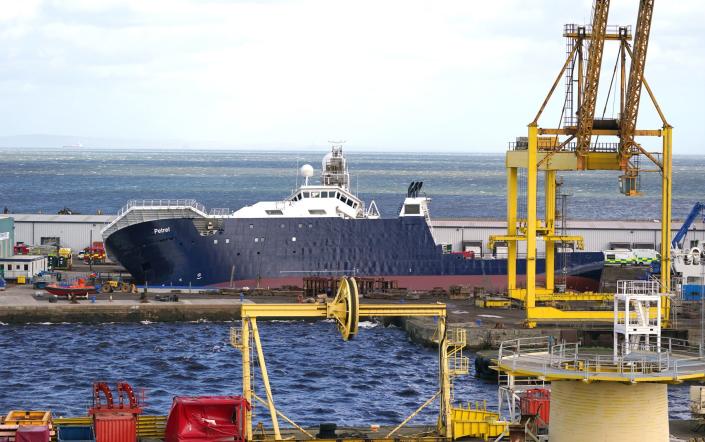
536,402
75,434
115,427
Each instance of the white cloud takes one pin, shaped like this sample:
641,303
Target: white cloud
407,74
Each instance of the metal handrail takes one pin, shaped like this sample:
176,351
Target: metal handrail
567,356
162,203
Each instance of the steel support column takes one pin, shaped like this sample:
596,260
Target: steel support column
246,376
550,217
666,184
265,380
531,185
512,174
446,428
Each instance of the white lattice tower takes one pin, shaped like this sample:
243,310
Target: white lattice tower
637,317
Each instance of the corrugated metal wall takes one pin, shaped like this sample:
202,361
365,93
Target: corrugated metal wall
595,239
7,240
76,235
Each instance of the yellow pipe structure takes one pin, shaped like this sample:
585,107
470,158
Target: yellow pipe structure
246,376
666,189
265,380
512,175
557,154
531,184
550,221
346,310
445,426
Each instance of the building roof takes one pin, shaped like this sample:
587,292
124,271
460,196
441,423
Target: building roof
575,224
51,218
22,258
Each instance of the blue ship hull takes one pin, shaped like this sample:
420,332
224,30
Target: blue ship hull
281,251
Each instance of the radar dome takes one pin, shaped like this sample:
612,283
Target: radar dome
307,171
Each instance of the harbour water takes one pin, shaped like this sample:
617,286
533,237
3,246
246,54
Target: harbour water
377,378
461,185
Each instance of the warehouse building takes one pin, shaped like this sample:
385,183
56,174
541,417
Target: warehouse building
7,236
473,235
462,234
73,231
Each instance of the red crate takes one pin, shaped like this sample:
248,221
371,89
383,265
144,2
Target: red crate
536,402
32,433
115,427
206,418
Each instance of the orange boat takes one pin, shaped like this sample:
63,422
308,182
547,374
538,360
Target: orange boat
79,288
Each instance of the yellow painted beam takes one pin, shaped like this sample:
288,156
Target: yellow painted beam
246,377
545,295
666,199
577,239
594,377
564,160
321,310
588,36
602,132
550,217
531,194
512,193
552,314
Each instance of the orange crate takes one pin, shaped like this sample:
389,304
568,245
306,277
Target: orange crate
24,417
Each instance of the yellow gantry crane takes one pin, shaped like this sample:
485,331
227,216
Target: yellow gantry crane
346,310
573,147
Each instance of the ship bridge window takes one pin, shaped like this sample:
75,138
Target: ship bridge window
349,203
274,212
305,194
317,212
412,209
324,194
315,195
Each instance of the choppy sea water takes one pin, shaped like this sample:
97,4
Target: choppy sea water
378,378
461,185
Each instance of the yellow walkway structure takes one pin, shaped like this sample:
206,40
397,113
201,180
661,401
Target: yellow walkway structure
346,310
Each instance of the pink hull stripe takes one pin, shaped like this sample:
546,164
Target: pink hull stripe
492,284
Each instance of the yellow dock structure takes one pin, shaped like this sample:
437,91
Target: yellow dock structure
346,310
573,146
618,395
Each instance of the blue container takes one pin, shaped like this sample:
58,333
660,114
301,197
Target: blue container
75,434
692,292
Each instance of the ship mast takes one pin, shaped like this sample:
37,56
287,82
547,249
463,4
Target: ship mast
335,168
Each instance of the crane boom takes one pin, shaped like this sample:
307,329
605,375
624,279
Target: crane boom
586,114
636,80
690,219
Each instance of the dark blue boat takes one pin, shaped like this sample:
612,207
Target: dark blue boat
320,230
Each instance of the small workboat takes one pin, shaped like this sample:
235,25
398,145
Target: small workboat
78,288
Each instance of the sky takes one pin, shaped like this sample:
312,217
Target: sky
451,75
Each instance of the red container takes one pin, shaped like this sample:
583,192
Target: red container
536,402
206,418
32,433
115,427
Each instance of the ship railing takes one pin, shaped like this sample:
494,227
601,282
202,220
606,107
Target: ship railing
155,204
220,211
162,204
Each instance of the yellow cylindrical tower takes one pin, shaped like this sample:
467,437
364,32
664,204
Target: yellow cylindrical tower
608,411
